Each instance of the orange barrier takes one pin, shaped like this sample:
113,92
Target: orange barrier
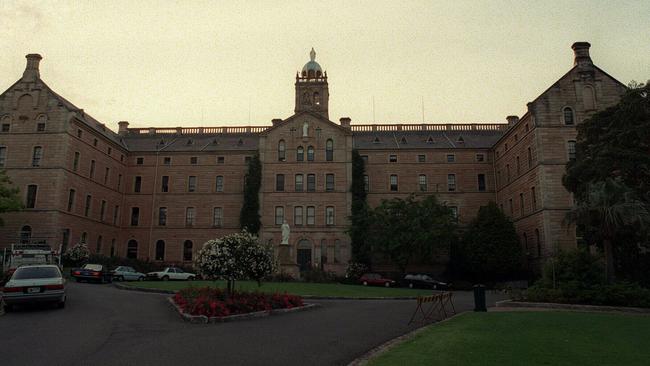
439,303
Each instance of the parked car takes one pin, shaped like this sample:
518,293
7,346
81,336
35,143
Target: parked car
92,272
171,273
125,273
34,283
375,279
423,281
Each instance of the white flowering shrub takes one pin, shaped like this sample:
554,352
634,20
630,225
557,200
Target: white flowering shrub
77,254
235,257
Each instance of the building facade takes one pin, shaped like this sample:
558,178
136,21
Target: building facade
160,193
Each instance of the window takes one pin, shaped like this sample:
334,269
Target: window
37,156
119,182
95,142
422,158
530,158
451,182
299,182
65,240
300,154
71,196
281,151
279,182
87,207
109,151
337,251
98,247
568,116
527,128
219,183
310,153
112,247
365,159
191,183
279,215
84,237
422,182
311,215
366,183
137,184
220,160
508,172
31,196
329,215
167,160
132,249
525,240
329,150
392,158
451,158
533,198
139,161
480,158
316,98
481,182
116,214
164,184
3,155
454,211
121,158
311,183
510,207
538,243
162,216
135,216
160,250
6,127
571,148
102,211
91,174
521,204
499,177
297,215
194,160
329,182
189,216
79,133
518,166
107,172
506,147
393,183
187,250
217,217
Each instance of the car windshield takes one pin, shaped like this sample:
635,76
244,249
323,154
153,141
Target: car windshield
93,267
178,270
28,273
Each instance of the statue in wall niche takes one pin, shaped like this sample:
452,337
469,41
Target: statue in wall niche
305,129
285,233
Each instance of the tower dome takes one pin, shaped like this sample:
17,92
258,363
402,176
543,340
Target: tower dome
312,68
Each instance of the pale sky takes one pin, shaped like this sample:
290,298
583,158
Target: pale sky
216,63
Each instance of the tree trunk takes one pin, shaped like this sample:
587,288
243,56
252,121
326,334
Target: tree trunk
609,261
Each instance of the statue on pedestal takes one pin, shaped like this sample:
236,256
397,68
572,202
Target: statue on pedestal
286,230
305,130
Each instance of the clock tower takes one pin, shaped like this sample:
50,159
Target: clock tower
312,94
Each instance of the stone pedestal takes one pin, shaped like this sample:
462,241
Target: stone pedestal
287,265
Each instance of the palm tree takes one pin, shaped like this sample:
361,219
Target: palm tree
609,206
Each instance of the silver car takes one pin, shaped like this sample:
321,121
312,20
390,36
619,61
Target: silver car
36,283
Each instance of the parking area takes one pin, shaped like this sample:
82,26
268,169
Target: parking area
102,325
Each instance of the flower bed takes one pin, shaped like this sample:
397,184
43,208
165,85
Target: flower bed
214,302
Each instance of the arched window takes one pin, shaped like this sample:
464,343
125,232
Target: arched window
329,150
568,116
281,150
160,250
187,250
132,249
571,149
25,234
40,123
300,154
310,153
316,98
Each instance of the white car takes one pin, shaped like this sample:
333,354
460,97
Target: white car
36,283
172,273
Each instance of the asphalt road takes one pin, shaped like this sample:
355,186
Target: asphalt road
102,325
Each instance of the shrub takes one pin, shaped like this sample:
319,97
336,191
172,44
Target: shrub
76,255
318,275
355,270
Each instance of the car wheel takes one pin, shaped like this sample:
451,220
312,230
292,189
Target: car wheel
165,278
191,278
141,278
410,285
387,284
119,278
8,308
365,283
61,304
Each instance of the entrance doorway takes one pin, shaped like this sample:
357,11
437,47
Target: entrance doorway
303,257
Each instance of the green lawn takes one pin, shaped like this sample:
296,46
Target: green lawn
528,338
296,288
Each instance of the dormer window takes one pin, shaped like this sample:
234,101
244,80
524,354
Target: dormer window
240,142
430,140
376,140
460,140
190,142
403,141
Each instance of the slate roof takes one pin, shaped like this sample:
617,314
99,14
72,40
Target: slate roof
189,143
369,140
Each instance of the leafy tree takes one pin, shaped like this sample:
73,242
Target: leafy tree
9,196
489,249
608,207
235,257
405,229
358,229
249,217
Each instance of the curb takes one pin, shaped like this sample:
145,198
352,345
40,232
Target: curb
574,307
384,347
313,297
202,319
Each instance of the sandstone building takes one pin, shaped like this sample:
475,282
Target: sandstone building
159,193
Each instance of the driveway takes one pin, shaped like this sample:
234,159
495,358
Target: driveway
102,325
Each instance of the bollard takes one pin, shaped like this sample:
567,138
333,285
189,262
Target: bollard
479,298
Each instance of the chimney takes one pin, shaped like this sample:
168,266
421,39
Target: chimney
512,120
276,121
345,122
31,73
123,127
581,52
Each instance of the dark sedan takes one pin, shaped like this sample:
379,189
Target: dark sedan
423,281
92,272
